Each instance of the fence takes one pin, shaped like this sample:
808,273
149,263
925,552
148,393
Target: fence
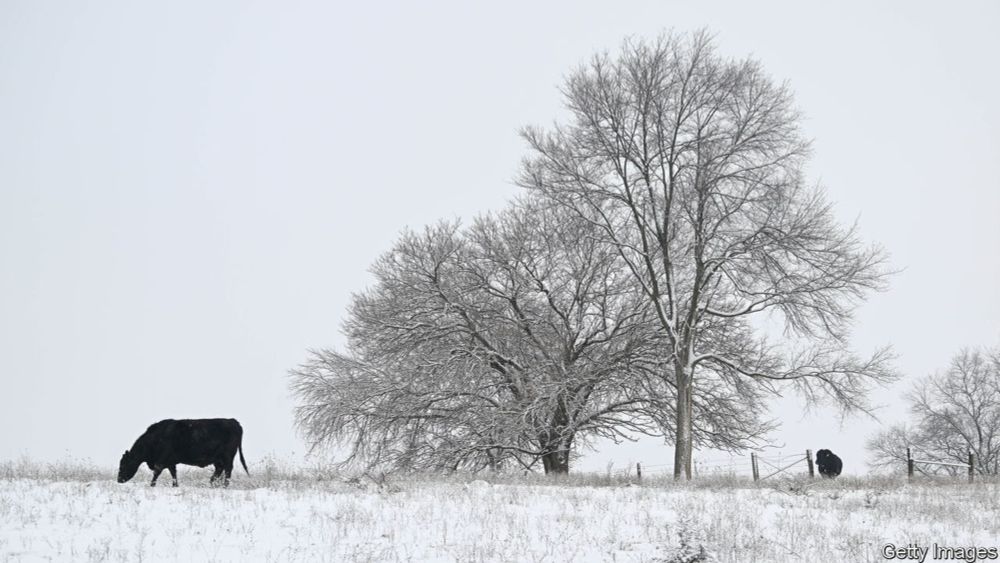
910,463
774,465
753,466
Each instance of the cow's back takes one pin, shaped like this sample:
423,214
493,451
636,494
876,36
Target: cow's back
198,442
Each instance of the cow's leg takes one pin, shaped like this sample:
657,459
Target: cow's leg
156,474
229,473
173,473
216,475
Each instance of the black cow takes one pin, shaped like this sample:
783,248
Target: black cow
828,463
201,442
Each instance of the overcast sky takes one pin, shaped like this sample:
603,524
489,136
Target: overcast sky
190,191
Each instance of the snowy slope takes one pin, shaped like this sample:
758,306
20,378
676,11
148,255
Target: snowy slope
450,520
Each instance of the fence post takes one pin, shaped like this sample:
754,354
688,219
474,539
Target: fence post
971,459
909,465
809,461
753,466
638,470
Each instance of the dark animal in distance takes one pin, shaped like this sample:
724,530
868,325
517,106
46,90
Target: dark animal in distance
200,442
828,463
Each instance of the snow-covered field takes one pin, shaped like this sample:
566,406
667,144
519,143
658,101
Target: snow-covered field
64,514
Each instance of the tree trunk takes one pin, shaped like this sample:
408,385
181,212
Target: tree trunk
556,463
556,442
494,465
555,460
690,434
683,439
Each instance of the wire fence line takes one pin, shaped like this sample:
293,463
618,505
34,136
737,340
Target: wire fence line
776,464
911,464
773,464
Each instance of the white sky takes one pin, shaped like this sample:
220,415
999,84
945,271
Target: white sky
190,192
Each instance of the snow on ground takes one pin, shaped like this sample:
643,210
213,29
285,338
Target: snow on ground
439,519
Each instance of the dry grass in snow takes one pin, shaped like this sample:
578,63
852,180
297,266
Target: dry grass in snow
74,513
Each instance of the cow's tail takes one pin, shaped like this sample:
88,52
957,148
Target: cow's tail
243,461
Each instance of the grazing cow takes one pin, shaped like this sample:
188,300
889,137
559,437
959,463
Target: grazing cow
201,442
828,463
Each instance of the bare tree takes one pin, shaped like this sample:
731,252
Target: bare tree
514,341
503,342
956,412
888,450
691,166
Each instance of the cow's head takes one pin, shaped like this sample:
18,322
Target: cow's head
128,466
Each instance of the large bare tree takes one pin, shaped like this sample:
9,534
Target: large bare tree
956,412
515,340
691,166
